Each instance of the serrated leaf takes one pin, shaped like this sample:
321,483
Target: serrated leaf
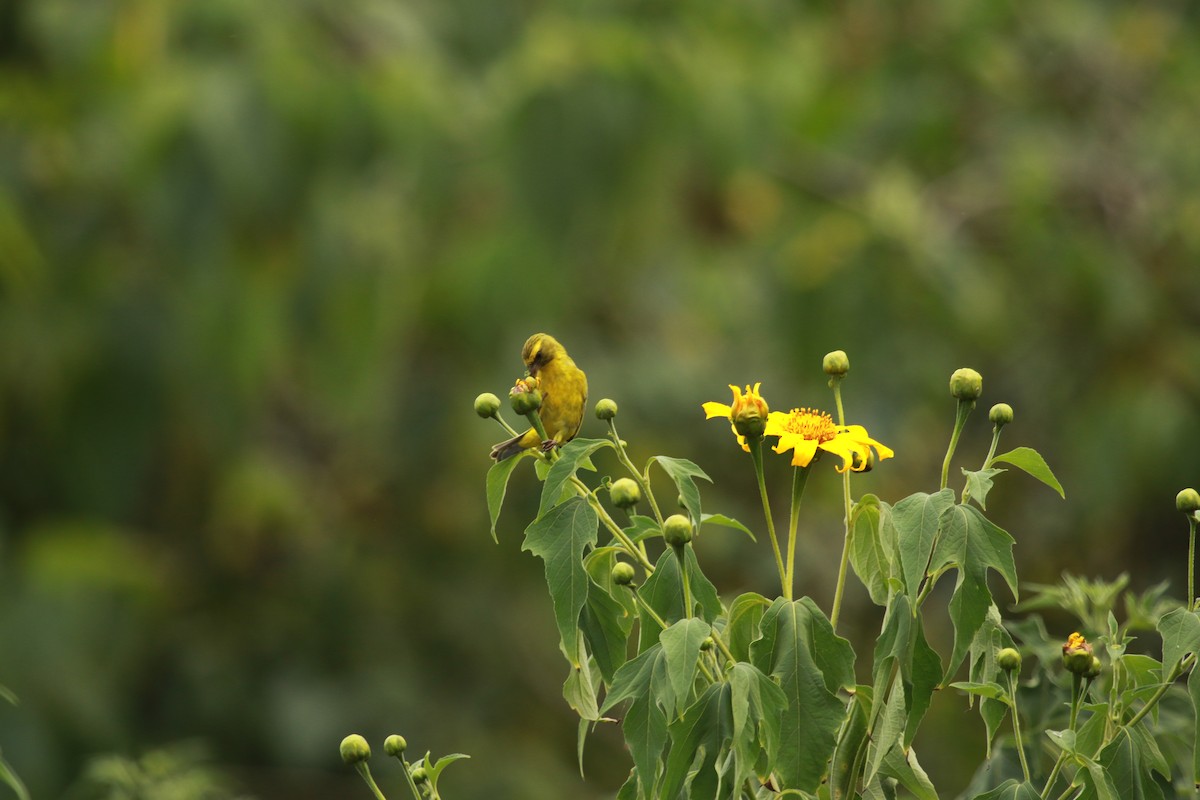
1030,461
645,731
682,472
915,519
1180,632
681,648
902,644
757,705
559,538
971,543
497,486
727,522
697,742
800,650
571,457
871,547
849,755
704,594
979,483
1120,761
605,624
745,614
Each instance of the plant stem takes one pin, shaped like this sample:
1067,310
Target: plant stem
1191,603
365,772
987,462
841,579
687,584
613,527
799,481
641,601
1182,667
1076,697
1016,720
503,424
412,785
642,481
960,419
756,455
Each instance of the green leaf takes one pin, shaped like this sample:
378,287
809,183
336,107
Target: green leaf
643,679
559,538
579,689
992,690
663,592
629,790
1180,632
902,764
433,771
1121,760
849,755
681,647
641,527
497,487
973,545
1029,460
682,472
605,624
726,522
743,626
698,740
915,519
979,483
757,706
989,640
571,456
871,547
9,778
1010,790
800,650
703,592
1193,690
902,643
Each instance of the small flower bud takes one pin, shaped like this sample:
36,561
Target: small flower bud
1188,501
606,409
749,413
394,745
1001,414
625,493
622,573
836,364
525,396
355,749
487,404
1077,654
677,530
1009,659
419,775
1094,669
706,644
966,384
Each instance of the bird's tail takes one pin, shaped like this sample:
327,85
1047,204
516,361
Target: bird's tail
510,447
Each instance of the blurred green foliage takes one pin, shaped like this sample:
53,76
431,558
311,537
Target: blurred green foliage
256,259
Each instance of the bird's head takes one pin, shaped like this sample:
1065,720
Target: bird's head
539,350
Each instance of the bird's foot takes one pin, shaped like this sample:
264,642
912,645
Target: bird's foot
549,445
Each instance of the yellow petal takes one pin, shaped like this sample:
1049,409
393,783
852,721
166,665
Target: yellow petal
805,450
716,410
844,447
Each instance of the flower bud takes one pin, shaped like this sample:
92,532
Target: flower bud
1009,659
1188,501
1094,669
966,384
355,749
606,409
419,775
394,745
525,396
625,493
622,573
749,413
677,530
836,364
1077,654
487,404
1001,414
706,644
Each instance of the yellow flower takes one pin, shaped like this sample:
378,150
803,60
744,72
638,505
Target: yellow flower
747,414
805,431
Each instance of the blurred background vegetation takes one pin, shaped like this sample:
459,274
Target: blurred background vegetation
257,259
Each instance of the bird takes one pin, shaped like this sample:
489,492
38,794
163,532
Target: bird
564,395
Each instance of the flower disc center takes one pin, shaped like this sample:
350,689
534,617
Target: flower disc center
811,424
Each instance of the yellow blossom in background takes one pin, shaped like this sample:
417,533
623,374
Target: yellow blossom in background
804,431
748,412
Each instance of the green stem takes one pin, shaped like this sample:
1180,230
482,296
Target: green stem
687,584
799,481
1191,604
642,481
503,424
960,419
634,551
1070,788
756,454
412,785
641,601
1181,668
1076,696
841,579
987,462
1016,720
365,772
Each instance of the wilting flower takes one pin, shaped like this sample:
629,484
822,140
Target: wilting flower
747,415
804,431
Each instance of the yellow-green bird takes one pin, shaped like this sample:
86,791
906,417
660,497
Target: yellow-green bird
564,395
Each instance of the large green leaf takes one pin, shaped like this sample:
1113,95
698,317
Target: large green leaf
559,538
699,740
663,592
1193,690
799,649
727,522
989,640
1029,460
745,614
901,763
1010,790
579,689
683,472
972,544
872,547
571,457
605,624
1180,632
642,680
681,647
849,754
915,519
902,645
758,705
497,487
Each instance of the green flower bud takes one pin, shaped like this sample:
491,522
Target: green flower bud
1094,669
625,493
1009,659
622,573
606,409
525,397
487,404
836,363
355,749
1188,501
1077,654
706,644
419,775
966,384
1001,414
394,745
677,530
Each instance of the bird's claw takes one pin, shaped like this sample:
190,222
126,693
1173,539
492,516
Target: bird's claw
549,445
